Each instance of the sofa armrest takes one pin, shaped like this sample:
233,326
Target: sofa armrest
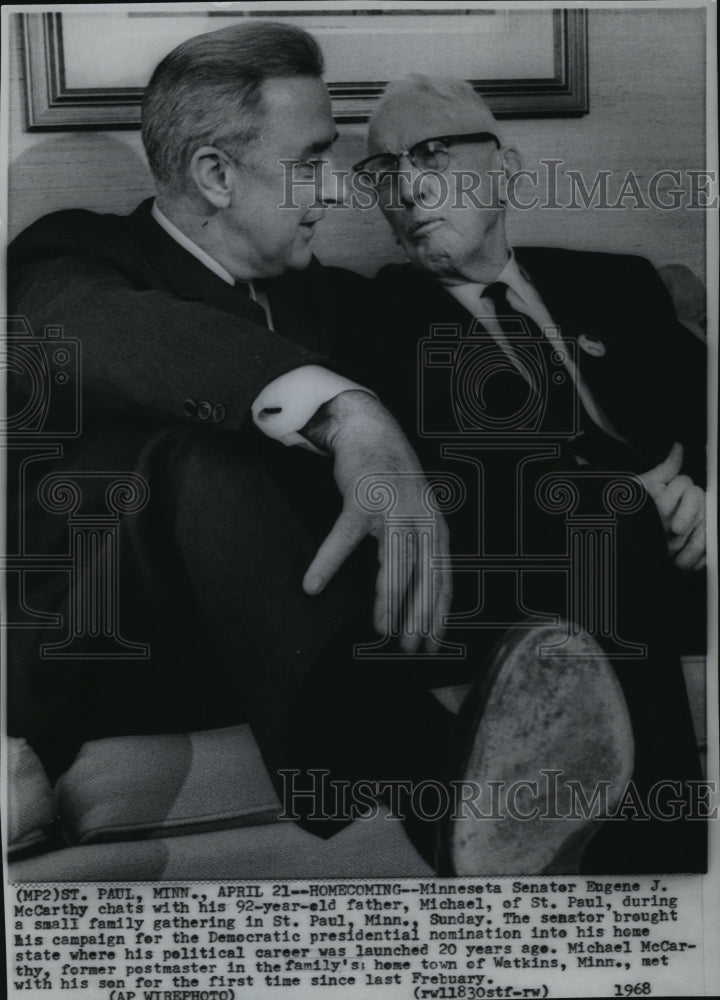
131,787
31,800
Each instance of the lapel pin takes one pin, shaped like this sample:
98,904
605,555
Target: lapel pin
592,346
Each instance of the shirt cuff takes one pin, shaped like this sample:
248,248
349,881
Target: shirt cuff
287,403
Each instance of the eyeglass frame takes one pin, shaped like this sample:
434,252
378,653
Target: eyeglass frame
447,140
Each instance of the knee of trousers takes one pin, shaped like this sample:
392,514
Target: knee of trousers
212,496
640,533
194,471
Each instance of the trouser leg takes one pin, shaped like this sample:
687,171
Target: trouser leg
59,703
666,757
312,704
210,580
638,595
310,701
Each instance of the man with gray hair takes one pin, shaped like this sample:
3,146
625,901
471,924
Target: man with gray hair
538,363
203,322
204,319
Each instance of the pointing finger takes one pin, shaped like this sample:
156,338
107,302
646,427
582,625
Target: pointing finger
344,537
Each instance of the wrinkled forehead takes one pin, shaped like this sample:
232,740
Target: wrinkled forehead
414,114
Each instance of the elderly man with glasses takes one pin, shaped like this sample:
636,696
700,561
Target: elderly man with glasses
206,330
526,370
208,333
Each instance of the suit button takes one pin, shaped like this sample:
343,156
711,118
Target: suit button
218,413
190,408
204,410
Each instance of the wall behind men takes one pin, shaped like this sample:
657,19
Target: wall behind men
647,101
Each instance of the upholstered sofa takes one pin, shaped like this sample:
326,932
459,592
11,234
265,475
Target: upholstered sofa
197,806
202,806
187,806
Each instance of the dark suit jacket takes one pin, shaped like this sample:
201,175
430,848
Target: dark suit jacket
650,380
159,334
157,327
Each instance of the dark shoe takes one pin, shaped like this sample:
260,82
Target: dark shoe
539,719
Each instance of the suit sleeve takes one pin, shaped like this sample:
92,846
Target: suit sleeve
143,352
677,364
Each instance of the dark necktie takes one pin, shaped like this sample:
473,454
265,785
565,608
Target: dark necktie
550,394
506,315
562,412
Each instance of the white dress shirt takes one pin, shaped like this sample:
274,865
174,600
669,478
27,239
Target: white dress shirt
287,403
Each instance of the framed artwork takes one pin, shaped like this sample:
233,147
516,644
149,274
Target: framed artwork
527,63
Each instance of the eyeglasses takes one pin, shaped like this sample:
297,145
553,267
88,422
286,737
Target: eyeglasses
428,154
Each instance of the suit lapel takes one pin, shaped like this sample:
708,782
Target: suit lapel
182,273
413,303
583,315
432,303
291,296
579,298
594,301
299,301
564,294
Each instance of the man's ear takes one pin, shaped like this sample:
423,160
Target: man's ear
511,159
213,174
510,163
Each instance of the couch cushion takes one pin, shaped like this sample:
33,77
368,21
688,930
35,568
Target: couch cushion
373,848
31,802
128,787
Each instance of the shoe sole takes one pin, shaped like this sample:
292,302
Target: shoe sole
561,712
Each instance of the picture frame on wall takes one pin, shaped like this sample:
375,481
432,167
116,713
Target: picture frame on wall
525,64
152,558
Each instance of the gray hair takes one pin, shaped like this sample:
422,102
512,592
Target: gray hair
446,89
207,92
449,88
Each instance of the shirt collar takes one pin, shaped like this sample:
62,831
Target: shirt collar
470,295
187,244
510,275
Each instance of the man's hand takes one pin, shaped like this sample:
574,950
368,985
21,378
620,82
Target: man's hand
681,505
364,439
